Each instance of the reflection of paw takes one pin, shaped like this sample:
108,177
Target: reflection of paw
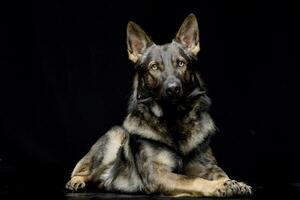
76,183
234,188
180,195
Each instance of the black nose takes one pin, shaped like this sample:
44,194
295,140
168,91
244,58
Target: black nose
173,89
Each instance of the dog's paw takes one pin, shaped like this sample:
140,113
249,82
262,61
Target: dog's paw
76,183
234,188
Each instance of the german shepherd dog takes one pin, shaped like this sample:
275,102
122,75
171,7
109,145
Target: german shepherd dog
163,145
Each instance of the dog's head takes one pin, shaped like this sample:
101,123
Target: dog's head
163,71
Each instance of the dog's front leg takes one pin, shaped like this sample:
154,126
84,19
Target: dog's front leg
81,173
205,166
162,180
101,156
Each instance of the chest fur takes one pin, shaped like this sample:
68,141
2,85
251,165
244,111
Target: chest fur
183,134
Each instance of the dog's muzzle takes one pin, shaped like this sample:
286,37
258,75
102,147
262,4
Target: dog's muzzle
173,89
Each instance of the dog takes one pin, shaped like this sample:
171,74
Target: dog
163,145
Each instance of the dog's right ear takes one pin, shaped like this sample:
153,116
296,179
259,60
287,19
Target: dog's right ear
137,41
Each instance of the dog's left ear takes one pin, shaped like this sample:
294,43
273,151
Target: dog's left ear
188,35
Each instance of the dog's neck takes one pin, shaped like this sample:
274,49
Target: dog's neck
163,108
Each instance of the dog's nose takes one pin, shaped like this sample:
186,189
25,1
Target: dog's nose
173,89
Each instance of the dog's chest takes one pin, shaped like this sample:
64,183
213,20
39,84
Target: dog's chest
188,133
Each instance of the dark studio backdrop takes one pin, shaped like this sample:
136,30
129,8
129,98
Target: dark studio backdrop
66,80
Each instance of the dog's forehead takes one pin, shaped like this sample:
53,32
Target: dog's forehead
169,50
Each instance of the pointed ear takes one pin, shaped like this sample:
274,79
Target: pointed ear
137,41
188,35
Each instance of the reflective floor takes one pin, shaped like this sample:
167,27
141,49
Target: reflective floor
289,193
97,196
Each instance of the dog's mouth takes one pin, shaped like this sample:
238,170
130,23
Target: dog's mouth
172,99
189,97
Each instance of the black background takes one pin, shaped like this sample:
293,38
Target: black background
66,80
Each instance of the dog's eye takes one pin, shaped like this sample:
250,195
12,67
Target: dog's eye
154,66
181,63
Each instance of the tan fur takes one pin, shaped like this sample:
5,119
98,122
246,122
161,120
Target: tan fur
133,57
195,49
181,184
77,182
132,125
116,139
